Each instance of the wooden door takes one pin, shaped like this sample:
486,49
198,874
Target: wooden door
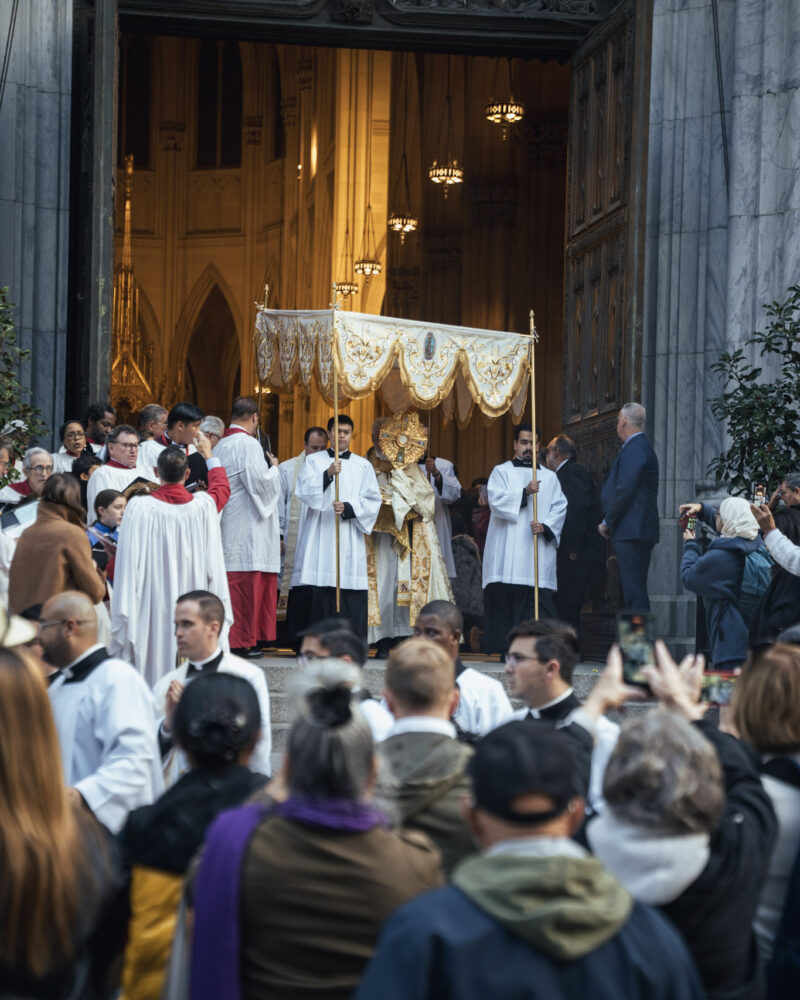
604,266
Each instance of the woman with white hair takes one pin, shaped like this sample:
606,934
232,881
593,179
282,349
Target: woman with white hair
716,576
290,897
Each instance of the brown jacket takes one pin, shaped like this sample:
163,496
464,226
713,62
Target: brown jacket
52,556
313,901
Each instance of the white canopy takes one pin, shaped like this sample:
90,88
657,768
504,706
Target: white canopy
453,366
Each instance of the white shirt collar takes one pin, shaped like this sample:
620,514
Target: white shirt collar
549,704
631,438
208,659
561,463
422,724
537,847
67,671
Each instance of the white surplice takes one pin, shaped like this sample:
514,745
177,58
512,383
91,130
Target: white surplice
250,533
164,550
109,477
175,764
483,704
451,491
150,450
107,726
508,555
315,561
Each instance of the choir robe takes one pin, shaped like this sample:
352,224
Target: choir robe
151,449
106,724
166,549
292,513
315,562
250,537
451,492
175,762
508,555
113,476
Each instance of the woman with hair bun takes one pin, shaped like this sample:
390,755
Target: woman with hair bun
217,724
290,897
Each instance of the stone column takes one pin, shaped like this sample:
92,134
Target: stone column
34,191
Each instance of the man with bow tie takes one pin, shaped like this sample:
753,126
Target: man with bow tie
183,427
630,506
199,617
508,557
314,574
542,656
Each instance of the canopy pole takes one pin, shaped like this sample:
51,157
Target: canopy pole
534,339
336,448
258,376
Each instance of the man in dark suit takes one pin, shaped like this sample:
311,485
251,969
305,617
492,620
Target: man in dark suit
581,549
629,497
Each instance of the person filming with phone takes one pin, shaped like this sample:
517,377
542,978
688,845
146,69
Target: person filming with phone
717,574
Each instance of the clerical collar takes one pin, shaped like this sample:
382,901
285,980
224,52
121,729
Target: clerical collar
518,463
208,666
80,669
546,711
342,454
167,441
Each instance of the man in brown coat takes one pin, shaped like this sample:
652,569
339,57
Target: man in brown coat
421,779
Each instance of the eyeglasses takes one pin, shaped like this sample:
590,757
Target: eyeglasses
42,469
74,434
126,446
514,659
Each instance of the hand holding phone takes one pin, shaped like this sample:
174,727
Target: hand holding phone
636,638
759,494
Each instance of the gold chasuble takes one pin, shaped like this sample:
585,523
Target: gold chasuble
407,515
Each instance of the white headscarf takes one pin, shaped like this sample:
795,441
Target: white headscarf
737,519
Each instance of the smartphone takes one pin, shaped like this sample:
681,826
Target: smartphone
636,637
759,494
687,521
717,687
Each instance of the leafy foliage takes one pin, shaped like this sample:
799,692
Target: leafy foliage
19,420
762,417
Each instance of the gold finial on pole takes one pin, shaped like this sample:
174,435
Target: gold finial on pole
334,295
534,341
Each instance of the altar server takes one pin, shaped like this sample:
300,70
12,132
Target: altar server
199,618
104,715
446,490
250,532
169,544
183,425
357,508
122,467
292,516
508,574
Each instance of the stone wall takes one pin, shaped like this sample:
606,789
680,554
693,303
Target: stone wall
34,189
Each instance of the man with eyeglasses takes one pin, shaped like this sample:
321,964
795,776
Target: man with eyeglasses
122,467
37,467
104,715
542,656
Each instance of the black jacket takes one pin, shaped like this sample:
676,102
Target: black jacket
584,513
715,913
780,606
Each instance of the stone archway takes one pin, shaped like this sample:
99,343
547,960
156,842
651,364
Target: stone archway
213,358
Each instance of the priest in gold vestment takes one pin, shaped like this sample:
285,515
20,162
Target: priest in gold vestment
404,559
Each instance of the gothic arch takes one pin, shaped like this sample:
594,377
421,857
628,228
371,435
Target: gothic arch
190,312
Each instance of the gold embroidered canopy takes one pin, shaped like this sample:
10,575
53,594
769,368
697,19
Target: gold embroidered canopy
450,366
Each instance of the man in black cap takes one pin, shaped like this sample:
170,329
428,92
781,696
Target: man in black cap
533,915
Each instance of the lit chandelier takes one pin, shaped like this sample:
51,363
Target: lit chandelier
504,113
447,173
368,263
402,221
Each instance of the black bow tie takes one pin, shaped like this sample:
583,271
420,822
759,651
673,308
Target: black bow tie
342,454
519,463
207,668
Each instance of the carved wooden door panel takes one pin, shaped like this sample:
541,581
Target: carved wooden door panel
604,264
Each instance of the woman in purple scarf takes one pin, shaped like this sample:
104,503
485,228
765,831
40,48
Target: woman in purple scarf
289,899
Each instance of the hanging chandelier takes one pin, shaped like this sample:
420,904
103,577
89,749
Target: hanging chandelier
402,221
347,286
504,113
447,172
368,263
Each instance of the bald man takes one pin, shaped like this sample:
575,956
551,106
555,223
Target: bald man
104,714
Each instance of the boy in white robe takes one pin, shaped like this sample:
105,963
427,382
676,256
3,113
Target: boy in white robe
104,715
508,568
169,544
357,508
250,531
199,618
122,467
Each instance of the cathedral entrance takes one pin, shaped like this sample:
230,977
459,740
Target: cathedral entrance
260,161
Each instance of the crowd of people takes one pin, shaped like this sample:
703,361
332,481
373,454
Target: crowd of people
433,839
